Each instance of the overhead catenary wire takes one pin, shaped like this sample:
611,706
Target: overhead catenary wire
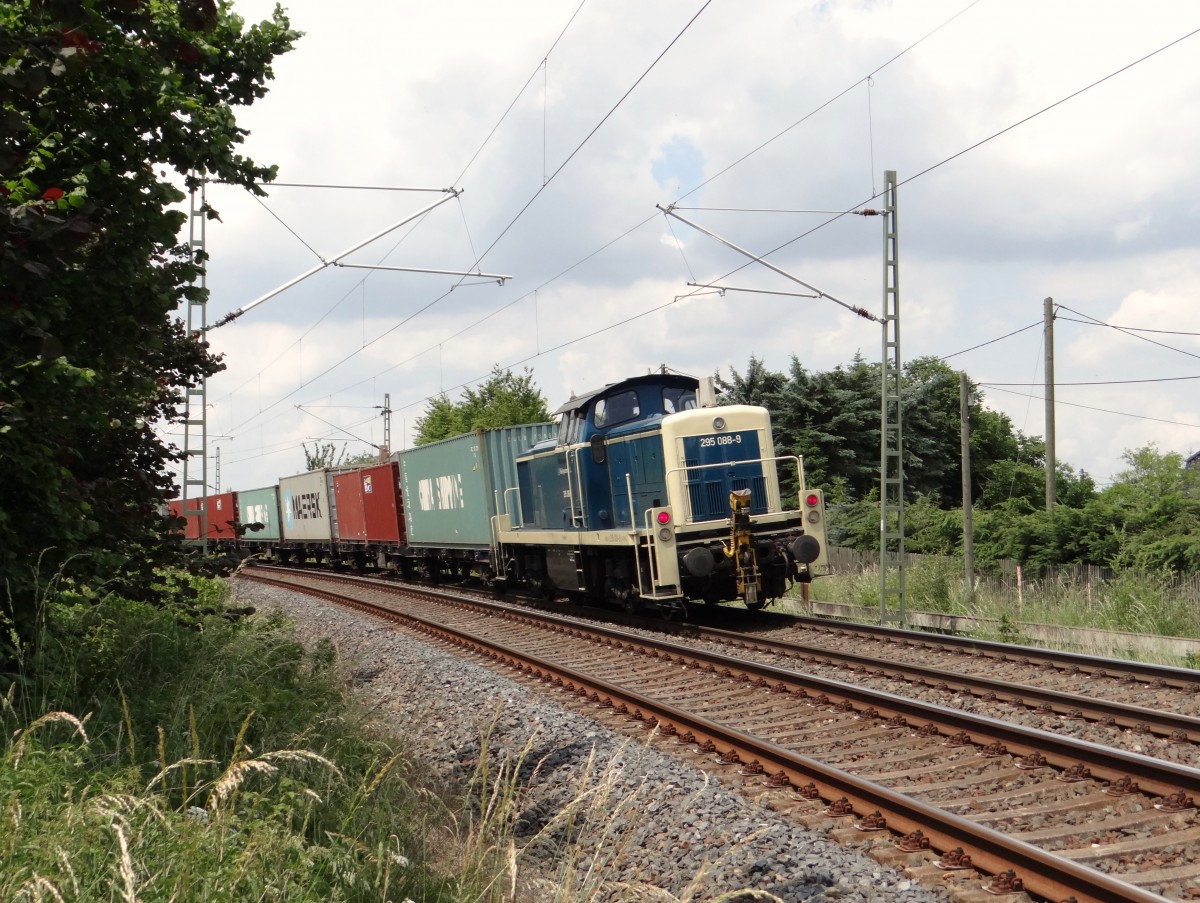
1131,334
1059,401
479,258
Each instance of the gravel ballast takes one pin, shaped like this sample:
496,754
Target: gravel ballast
651,827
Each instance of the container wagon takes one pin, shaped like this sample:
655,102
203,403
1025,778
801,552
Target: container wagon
453,490
370,515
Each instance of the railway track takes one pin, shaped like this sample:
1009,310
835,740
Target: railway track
955,793
1144,708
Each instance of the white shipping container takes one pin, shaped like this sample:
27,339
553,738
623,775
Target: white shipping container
306,506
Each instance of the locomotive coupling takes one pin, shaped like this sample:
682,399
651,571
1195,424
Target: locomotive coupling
740,548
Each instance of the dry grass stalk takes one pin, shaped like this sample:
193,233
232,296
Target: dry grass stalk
115,805
182,763
125,867
64,862
48,718
37,889
235,775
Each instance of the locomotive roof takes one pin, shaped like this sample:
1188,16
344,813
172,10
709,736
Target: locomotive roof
654,379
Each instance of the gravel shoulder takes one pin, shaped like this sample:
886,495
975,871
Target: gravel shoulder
642,825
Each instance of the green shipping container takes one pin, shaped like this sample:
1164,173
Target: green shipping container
260,506
452,488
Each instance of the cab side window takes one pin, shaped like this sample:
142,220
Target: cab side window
575,430
676,400
620,408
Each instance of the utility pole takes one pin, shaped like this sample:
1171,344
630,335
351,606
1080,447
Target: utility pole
387,426
964,405
891,463
1048,314
195,397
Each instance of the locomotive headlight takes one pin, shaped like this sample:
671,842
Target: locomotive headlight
718,423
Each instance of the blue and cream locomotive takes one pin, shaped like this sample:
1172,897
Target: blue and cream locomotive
650,495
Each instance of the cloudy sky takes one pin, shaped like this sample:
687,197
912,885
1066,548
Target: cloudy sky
564,124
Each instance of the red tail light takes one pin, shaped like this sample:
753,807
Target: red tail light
664,517
811,500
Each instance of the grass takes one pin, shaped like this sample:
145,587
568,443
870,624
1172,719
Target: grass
149,756
148,759
1128,603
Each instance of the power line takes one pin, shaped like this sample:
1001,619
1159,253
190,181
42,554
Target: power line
628,231
966,150
521,212
798,237
1072,404
1130,333
1111,382
595,129
529,81
992,342
1095,322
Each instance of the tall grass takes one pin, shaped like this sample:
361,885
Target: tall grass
1129,602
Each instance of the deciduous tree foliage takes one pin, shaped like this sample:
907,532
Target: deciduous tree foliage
503,400
1148,519
104,108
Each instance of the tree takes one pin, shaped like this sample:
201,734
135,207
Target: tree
503,400
327,454
104,109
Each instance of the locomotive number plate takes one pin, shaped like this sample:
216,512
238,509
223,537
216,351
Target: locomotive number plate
719,439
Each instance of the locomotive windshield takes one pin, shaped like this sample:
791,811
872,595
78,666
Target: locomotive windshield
675,399
642,404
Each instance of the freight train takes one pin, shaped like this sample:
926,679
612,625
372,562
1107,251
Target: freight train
643,494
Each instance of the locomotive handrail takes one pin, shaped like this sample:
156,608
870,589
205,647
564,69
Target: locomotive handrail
571,489
687,479
579,483
509,511
650,553
632,513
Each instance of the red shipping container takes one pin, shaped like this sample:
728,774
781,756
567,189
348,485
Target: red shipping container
222,515
369,506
